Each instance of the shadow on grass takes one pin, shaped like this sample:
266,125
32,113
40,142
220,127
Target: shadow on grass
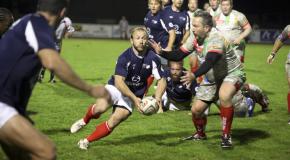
163,139
247,135
63,90
252,70
54,131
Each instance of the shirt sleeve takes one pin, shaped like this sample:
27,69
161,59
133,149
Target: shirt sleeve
122,67
285,34
39,35
243,21
166,21
215,44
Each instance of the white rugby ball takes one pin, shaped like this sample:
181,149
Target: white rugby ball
149,106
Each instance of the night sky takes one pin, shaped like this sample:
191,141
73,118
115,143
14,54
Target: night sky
267,15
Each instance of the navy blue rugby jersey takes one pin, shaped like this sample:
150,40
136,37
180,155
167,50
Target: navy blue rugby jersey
19,63
176,90
137,69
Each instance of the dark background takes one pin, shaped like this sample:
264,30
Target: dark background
266,14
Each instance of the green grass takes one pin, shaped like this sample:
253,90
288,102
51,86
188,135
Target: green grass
54,107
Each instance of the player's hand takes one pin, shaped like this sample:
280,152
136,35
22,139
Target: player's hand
156,46
159,103
167,49
237,41
137,102
187,78
271,58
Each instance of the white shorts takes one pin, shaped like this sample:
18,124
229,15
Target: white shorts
118,98
6,112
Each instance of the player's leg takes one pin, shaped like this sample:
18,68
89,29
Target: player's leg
19,132
41,74
51,79
94,111
199,119
226,93
105,128
204,96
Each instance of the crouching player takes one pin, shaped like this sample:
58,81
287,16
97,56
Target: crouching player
245,99
178,96
126,87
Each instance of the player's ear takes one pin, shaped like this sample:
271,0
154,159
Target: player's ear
131,39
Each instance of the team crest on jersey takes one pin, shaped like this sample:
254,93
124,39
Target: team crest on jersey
170,17
136,79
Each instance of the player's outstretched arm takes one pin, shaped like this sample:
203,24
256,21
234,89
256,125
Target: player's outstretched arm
161,87
51,60
171,40
277,45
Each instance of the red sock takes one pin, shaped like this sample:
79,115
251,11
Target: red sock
199,124
288,98
227,118
101,131
242,59
89,115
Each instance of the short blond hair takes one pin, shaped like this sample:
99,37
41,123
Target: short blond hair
231,1
138,29
159,1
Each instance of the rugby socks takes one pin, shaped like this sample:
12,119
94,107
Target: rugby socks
227,118
242,59
288,98
199,124
101,131
90,114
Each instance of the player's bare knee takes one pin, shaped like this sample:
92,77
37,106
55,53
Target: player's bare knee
101,106
195,112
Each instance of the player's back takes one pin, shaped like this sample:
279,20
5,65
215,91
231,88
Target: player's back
19,63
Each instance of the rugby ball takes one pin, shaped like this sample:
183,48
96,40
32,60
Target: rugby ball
149,106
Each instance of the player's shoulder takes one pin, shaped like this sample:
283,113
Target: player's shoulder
287,28
237,13
126,55
215,34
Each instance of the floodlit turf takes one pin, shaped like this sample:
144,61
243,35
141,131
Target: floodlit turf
54,107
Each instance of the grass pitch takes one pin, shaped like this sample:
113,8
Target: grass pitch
54,107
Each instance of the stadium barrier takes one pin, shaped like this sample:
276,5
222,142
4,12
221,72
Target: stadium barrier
113,31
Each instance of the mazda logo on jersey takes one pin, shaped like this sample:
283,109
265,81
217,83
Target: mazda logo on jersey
136,79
